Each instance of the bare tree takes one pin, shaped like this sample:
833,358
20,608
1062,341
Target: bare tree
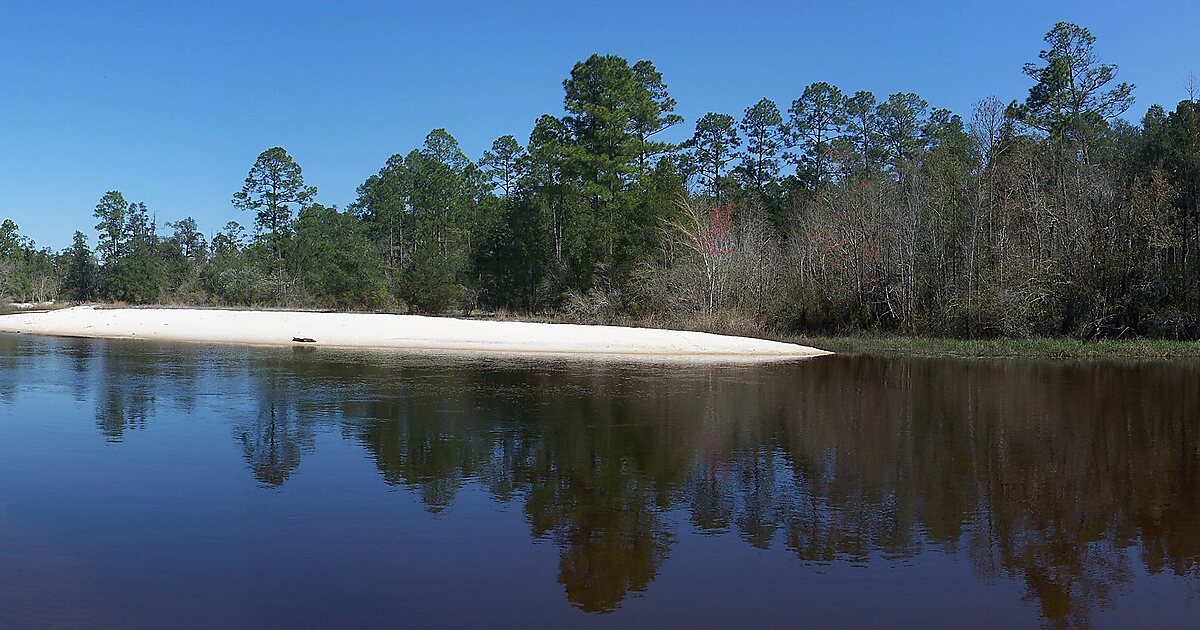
707,232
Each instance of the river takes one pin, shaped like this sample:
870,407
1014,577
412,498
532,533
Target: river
174,485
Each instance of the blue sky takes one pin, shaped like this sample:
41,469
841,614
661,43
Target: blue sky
170,104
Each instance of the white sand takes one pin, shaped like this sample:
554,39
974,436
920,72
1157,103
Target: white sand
349,330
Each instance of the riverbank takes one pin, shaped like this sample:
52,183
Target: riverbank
1042,348
1052,348
385,331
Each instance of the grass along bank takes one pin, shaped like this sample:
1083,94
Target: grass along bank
727,323
1043,348
1064,348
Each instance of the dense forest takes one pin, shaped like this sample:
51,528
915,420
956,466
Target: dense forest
1050,215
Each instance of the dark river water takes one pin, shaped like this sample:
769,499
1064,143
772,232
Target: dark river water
147,485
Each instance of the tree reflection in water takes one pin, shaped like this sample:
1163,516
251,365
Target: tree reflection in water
274,439
1062,476
128,382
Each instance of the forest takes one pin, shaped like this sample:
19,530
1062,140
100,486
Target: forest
841,212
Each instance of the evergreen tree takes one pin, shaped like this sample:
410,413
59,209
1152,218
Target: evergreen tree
274,190
1069,99
817,118
604,100
765,134
711,148
654,112
79,284
111,211
862,129
503,164
900,119
334,260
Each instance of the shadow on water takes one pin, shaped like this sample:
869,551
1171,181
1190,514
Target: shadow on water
1064,477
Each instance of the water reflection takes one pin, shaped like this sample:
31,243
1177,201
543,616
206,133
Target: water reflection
1065,477
280,429
129,384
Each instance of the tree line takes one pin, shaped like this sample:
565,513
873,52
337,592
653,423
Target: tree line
840,212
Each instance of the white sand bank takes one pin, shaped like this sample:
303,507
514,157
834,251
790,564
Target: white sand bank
352,330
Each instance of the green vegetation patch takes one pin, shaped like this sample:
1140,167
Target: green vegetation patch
1045,348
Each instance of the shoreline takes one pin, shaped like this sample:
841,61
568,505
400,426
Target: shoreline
1041,348
391,332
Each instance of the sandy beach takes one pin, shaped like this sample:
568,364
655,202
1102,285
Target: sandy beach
383,331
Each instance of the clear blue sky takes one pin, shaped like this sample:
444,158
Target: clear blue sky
171,104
